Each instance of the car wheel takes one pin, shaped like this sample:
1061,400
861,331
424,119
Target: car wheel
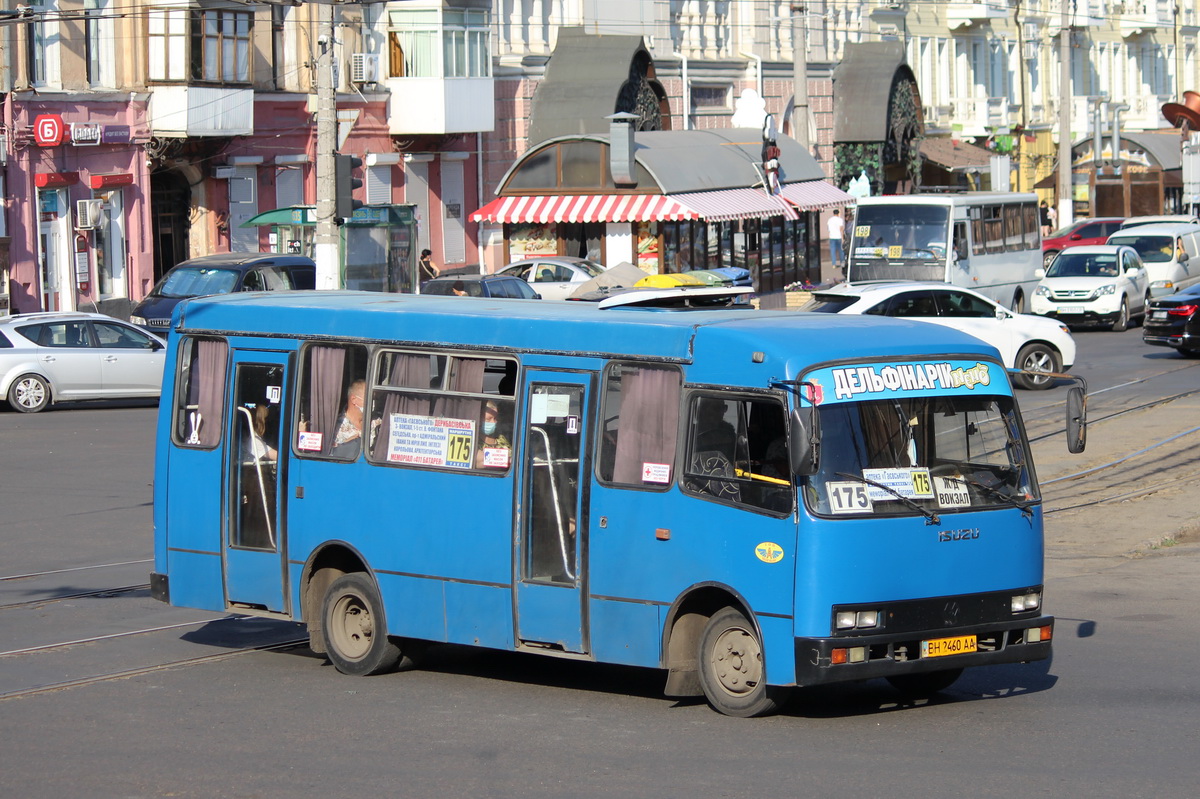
1048,256
1037,358
29,394
1121,323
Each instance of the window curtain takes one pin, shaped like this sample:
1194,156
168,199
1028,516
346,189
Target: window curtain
467,377
649,421
326,397
407,370
209,373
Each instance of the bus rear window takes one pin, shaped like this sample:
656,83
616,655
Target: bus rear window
200,391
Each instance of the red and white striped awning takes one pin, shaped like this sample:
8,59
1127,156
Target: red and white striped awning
815,195
723,205
584,208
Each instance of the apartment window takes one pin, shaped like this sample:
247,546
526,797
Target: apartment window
439,43
44,39
99,42
203,44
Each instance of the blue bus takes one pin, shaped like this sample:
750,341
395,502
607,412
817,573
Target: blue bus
747,500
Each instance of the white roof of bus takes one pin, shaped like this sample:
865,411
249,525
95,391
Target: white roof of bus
964,198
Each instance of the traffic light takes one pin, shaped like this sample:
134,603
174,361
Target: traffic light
344,185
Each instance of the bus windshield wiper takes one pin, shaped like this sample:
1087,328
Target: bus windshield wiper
930,516
1023,504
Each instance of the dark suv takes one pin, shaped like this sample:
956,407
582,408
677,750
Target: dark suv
223,273
1080,233
481,286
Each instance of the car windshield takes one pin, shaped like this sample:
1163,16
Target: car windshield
590,267
935,454
1153,249
1073,264
196,281
828,303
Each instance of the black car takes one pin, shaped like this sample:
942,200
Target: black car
222,273
481,286
1174,321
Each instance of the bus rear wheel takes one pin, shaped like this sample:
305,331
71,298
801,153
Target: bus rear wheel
919,686
356,640
732,672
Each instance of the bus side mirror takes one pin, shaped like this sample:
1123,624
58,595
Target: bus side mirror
1076,419
805,454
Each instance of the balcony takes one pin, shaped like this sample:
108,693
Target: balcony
980,116
1135,18
962,13
440,105
178,111
1145,112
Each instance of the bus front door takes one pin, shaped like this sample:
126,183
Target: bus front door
253,545
551,595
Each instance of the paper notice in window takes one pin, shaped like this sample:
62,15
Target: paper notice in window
309,442
656,473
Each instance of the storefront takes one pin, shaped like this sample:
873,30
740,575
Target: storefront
685,200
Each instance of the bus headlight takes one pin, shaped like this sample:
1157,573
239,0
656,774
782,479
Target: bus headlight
856,619
1023,603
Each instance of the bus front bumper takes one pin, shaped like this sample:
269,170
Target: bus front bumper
821,661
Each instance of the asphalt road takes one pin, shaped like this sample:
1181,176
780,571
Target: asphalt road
1112,715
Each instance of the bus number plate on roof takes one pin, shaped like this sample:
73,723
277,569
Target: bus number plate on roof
941,647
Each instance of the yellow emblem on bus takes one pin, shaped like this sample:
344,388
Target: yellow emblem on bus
769,552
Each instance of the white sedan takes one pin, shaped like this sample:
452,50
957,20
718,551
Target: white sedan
1027,342
554,276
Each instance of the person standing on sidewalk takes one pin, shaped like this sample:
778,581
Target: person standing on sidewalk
836,228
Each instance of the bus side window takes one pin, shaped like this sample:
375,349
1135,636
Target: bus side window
737,452
330,421
640,413
200,392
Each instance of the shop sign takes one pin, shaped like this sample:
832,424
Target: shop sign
114,134
86,134
48,130
111,181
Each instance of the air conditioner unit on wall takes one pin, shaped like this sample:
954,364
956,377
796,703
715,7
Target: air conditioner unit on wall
365,67
88,213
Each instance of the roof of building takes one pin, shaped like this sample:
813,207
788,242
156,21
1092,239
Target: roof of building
955,156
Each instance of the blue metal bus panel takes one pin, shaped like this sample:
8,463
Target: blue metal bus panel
196,580
414,607
629,633
480,615
779,649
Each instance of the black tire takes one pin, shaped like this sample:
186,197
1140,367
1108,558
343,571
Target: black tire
919,686
1047,257
1039,358
732,672
1018,303
354,628
1121,323
29,394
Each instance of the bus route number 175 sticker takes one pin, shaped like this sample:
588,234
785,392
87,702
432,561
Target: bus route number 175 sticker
849,497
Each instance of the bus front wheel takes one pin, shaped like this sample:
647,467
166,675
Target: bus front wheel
356,639
732,672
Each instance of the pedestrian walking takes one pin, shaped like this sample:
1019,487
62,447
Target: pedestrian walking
1044,216
429,270
836,228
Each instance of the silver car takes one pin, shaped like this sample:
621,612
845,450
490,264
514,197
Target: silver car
60,357
554,276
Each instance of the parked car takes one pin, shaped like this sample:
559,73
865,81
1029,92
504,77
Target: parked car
498,285
554,276
1170,252
1025,341
1174,321
1104,284
56,357
1079,233
1136,221
222,273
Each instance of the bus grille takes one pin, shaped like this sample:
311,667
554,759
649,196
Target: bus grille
882,270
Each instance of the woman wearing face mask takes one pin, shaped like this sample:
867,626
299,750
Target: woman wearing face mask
496,448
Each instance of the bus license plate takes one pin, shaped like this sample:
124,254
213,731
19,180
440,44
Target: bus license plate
940,647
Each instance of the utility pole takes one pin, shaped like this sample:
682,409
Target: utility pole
800,76
1066,205
325,251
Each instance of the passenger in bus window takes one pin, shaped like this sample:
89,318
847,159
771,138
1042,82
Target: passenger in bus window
348,441
496,448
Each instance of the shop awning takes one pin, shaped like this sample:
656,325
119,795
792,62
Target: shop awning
815,195
956,156
291,215
584,208
727,204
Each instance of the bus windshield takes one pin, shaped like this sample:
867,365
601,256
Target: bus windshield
917,232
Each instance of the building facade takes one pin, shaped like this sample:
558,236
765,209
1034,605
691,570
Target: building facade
137,133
